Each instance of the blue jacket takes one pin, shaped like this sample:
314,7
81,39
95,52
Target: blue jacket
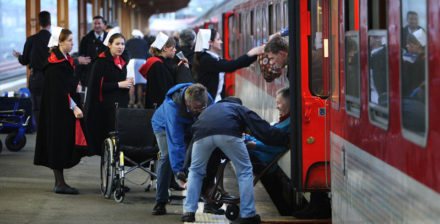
174,118
267,153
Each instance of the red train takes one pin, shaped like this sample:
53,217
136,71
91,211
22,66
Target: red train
366,74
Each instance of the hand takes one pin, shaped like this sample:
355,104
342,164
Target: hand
274,35
77,112
256,51
84,60
15,53
78,87
126,84
251,145
181,176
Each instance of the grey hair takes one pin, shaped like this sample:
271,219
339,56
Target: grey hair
187,37
196,93
284,93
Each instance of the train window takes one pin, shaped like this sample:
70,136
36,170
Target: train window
271,29
231,36
414,71
317,81
264,29
352,58
286,13
278,17
378,78
240,31
252,23
334,52
258,26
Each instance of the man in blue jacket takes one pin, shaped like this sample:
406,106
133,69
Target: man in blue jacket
172,125
221,125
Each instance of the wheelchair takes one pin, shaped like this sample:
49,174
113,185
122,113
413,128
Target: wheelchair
132,144
213,193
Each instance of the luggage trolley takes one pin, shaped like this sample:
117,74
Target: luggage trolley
131,144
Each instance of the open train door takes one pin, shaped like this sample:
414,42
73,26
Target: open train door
308,56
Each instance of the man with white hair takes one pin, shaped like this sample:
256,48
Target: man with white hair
137,49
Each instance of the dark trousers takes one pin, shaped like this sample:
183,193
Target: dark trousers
36,80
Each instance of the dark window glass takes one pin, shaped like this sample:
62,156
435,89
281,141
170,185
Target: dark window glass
231,36
271,28
414,71
352,58
334,52
278,17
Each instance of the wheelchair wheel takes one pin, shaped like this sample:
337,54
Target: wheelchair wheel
232,212
108,170
119,195
9,142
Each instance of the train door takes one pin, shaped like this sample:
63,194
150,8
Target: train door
229,36
314,172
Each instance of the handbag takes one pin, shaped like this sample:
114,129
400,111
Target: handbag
268,71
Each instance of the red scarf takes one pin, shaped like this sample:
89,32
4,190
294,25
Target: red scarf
119,62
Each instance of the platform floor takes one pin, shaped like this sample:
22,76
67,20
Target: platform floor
26,195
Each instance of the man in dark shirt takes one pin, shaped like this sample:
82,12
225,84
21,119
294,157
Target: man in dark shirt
92,45
35,54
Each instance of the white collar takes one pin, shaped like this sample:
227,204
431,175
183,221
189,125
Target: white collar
213,54
97,35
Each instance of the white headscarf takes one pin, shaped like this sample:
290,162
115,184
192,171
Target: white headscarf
202,41
110,34
420,36
55,31
137,33
160,41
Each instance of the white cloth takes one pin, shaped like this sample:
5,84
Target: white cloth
420,36
202,41
53,41
137,33
110,34
132,70
161,39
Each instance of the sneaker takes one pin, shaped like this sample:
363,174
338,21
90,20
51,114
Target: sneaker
213,209
159,209
189,217
250,220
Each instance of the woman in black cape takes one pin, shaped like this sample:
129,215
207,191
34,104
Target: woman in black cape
108,85
55,145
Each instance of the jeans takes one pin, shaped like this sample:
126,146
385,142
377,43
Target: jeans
235,149
164,172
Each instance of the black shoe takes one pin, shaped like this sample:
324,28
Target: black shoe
318,208
213,209
159,209
189,217
65,190
250,220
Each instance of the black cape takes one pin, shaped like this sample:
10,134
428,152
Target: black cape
160,78
55,146
102,94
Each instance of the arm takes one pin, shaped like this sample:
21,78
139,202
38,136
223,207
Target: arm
223,65
24,59
261,129
175,138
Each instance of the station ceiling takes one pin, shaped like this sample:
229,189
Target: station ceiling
150,7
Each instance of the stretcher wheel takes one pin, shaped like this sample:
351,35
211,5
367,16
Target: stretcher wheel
108,171
232,212
9,142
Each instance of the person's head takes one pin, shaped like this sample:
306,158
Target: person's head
215,42
116,43
168,50
98,24
412,19
283,101
233,99
277,50
65,41
196,98
187,37
44,19
415,42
